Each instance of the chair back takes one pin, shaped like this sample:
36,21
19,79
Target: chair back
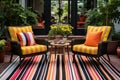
14,30
105,31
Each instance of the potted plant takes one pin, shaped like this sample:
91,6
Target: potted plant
107,13
61,30
2,49
13,14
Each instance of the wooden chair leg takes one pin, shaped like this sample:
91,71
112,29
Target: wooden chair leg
73,58
20,59
108,57
11,57
46,57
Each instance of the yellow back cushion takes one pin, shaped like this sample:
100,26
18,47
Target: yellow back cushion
105,31
14,30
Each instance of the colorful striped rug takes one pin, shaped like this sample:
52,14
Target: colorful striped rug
60,68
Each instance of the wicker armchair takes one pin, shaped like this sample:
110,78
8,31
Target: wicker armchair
79,47
40,46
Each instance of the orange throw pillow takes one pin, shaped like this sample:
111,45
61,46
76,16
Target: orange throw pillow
93,38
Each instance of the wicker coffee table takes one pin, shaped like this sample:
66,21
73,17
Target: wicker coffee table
59,48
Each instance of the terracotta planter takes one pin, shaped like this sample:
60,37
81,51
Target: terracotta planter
2,54
118,51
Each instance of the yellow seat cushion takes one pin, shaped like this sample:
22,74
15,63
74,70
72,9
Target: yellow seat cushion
85,49
33,49
13,30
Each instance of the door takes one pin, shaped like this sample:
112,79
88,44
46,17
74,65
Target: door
42,9
81,8
60,11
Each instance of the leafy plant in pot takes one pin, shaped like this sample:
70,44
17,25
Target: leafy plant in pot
107,13
2,49
63,30
13,14
60,32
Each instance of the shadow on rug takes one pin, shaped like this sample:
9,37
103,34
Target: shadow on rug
60,68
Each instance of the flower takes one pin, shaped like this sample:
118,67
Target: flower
64,30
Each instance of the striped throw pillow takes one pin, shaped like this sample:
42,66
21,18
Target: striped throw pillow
26,39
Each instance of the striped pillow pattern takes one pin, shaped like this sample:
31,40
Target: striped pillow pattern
26,39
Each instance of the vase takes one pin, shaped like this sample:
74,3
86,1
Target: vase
64,39
58,37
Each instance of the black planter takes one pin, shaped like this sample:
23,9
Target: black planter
112,47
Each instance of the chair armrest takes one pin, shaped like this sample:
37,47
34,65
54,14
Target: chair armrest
77,41
15,47
42,41
15,44
102,47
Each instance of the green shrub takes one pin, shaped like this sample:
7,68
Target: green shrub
106,14
2,44
94,18
13,14
31,17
